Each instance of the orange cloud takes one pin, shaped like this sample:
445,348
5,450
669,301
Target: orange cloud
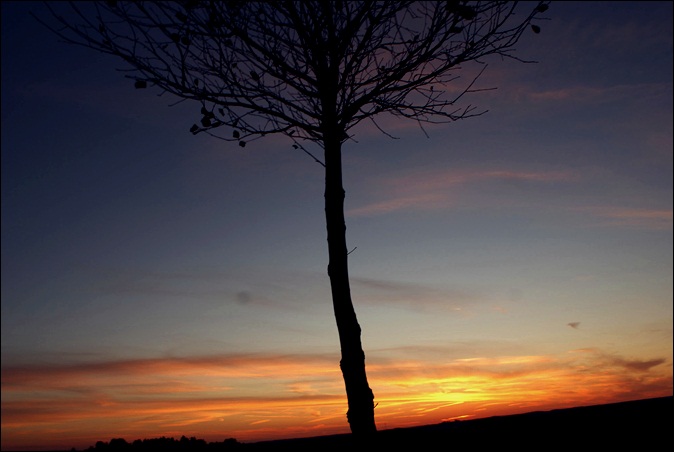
273,396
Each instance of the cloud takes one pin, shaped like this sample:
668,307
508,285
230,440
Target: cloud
416,297
437,381
424,201
605,360
636,364
443,178
567,94
208,286
644,97
220,366
266,396
638,218
436,189
243,297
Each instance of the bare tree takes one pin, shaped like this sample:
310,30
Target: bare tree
312,71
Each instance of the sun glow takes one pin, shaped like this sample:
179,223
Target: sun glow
267,397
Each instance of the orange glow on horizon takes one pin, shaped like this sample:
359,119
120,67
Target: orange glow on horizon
270,397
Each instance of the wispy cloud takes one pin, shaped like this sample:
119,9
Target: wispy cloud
482,386
170,396
413,296
424,201
632,365
593,93
204,285
218,366
567,94
443,178
640,218
437,189
262,396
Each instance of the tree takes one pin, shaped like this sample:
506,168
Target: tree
312,71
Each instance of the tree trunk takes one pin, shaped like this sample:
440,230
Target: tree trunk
359,395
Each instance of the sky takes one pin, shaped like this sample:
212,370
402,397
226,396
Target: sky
156,283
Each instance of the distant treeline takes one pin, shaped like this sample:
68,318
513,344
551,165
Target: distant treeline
165,445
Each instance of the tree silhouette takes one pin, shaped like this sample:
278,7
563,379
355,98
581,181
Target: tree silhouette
312,71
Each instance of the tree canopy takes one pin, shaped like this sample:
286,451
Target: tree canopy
259,68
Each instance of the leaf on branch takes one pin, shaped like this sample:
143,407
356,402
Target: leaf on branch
295,146
140,84
175,37
222,111
236,134
242,144
542,8
181,16
194,129
463,11
213,20
536,29
185,40
455,29
207,114
254,76
205,121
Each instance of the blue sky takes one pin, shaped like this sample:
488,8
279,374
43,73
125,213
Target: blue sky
540,232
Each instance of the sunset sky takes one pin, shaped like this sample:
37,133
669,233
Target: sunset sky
156,283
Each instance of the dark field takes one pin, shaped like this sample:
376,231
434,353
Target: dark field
643,426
